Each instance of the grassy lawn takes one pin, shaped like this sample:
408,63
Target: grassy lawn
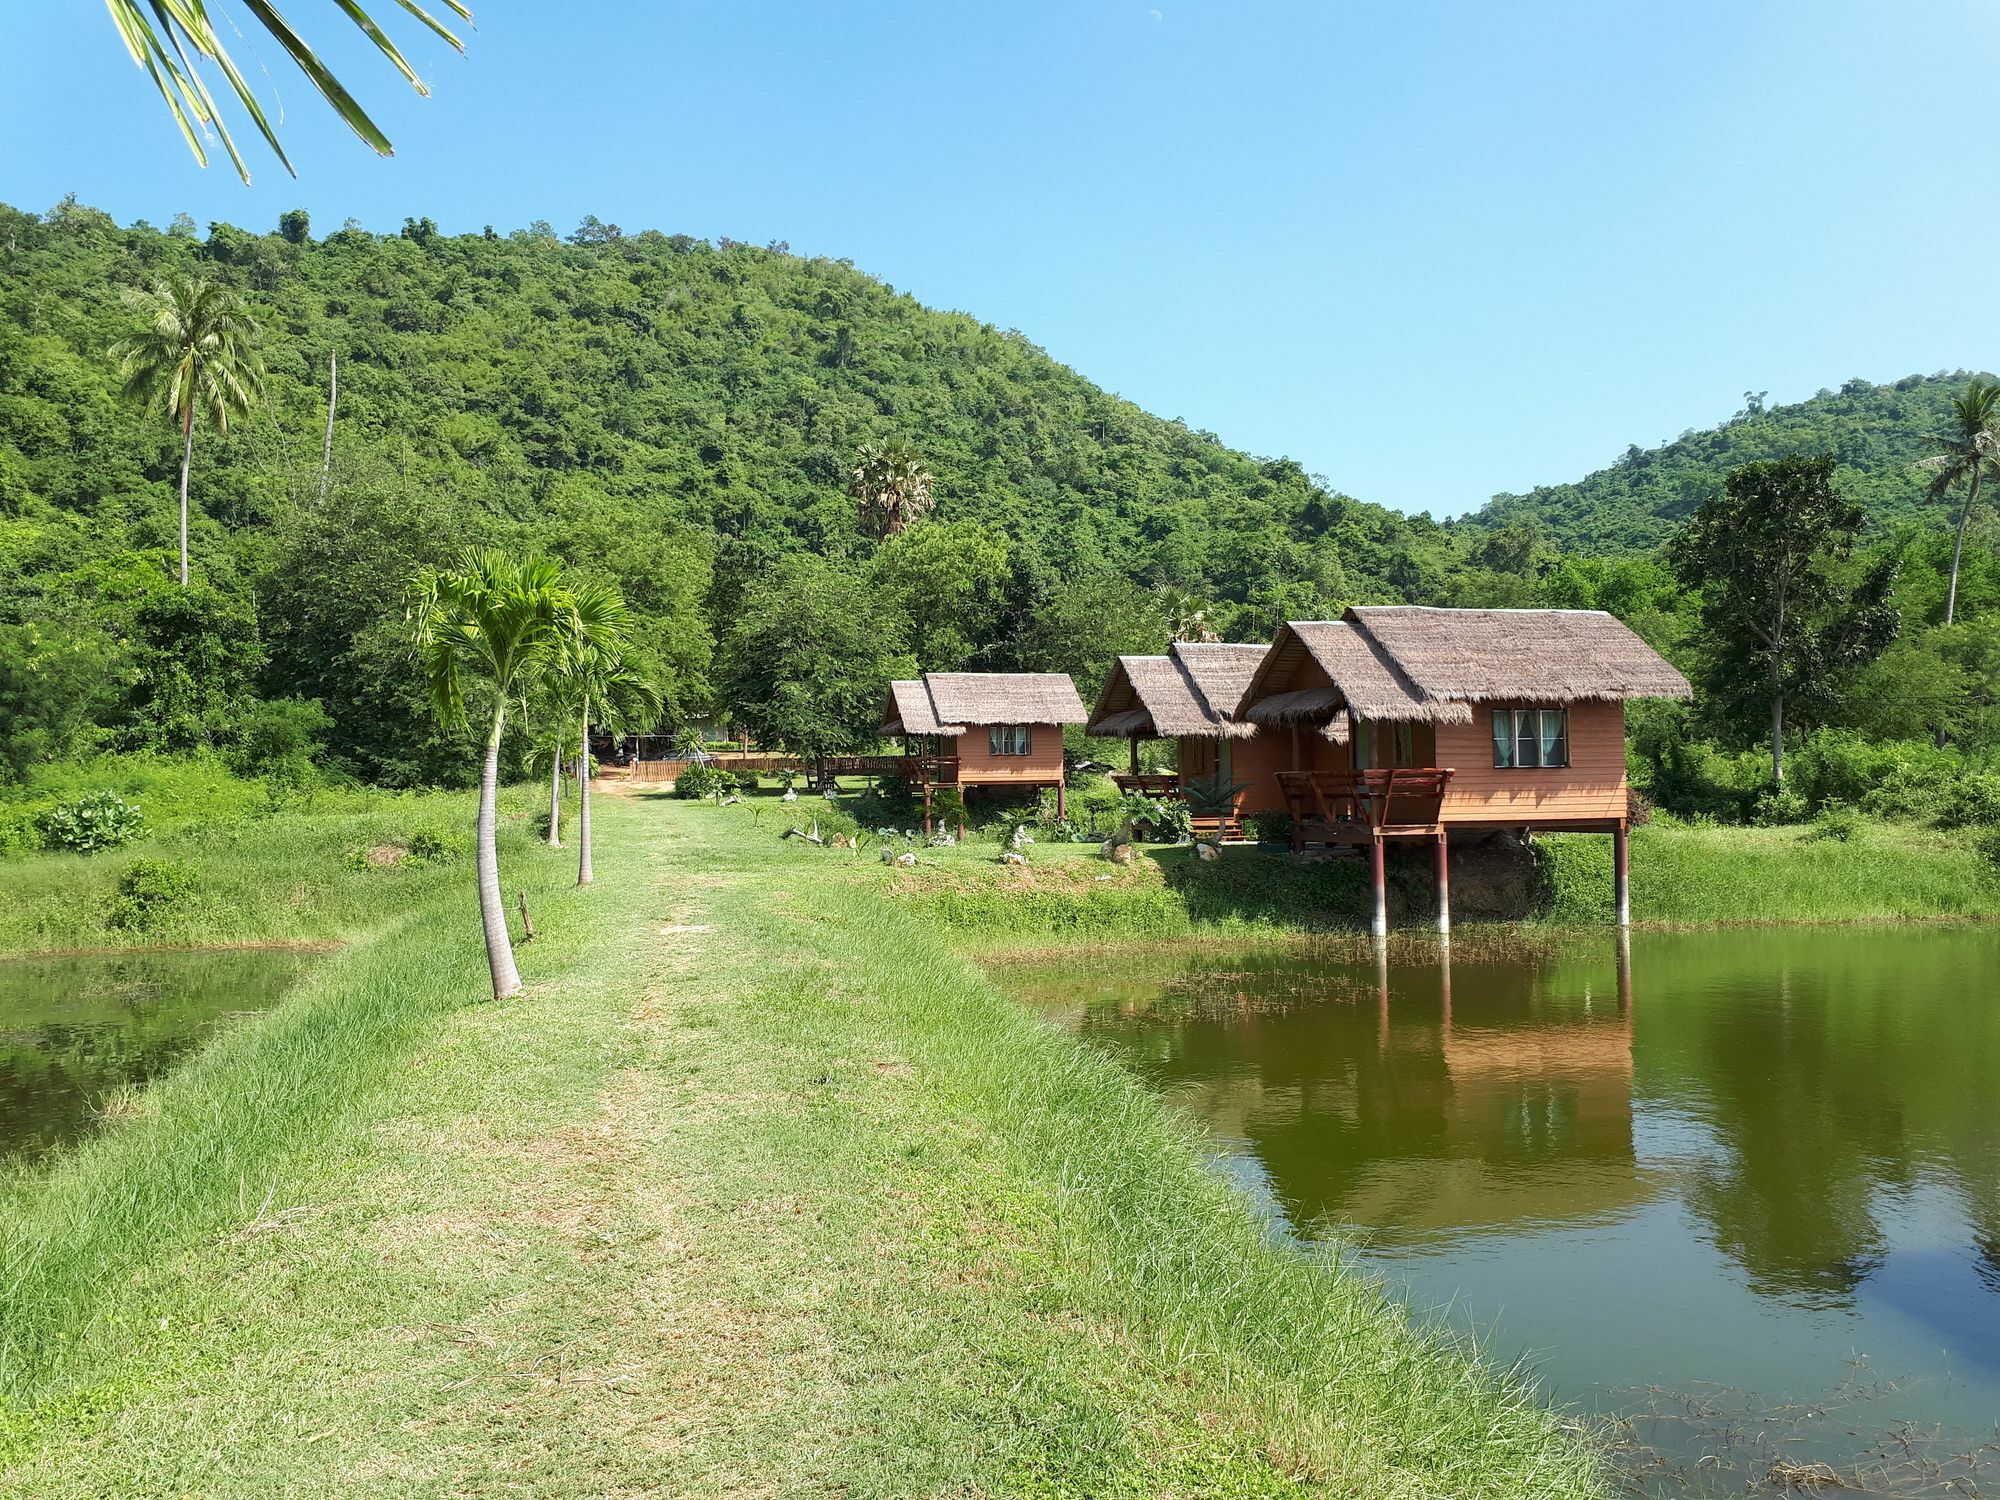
760,1189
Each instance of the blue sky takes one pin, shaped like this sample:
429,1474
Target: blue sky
1432,251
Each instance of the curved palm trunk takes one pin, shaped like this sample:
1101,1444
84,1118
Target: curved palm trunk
492,911
584,873
555,795
1958,546
187,462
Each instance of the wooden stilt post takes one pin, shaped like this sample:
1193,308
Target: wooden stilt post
1062,801
1133,740
927,807
1382,994
1444,985
1625,973
1379,881
1621,881
1444,885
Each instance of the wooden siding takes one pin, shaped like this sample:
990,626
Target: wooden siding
1592,785
1042,765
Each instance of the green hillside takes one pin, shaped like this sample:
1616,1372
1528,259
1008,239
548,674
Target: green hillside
676,414
1878,432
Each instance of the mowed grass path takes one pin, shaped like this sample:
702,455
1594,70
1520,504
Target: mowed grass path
759,1190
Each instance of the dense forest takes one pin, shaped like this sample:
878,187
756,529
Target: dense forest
1879,434
694,421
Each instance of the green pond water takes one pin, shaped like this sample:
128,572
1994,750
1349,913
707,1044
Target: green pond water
1738,1192
72,1030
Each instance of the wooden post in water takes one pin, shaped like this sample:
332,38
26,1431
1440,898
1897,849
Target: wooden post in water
1444,885
1621,880
1379,880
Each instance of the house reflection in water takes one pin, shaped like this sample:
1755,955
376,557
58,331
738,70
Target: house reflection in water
1387,1107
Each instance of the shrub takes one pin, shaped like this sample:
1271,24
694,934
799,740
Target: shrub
704,781
1780,805
148,890
1974,802
430,849
947,807
102,820
1837,825
1269,827
1162,821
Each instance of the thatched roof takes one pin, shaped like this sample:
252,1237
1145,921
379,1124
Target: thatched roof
912,712
1548,655
967,698
1413,663
1188,692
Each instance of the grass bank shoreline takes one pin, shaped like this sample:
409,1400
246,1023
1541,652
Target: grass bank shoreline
762,1187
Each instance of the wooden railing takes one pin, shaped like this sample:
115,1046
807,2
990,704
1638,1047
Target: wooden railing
1402,800
1148,783
928,770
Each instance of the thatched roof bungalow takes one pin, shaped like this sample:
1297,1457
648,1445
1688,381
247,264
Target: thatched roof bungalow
984,728
1189,696
1507,717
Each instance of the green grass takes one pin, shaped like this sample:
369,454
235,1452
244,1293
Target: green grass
760,1188
1693,876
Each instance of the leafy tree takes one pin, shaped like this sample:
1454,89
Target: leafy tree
947,579
491,624
198,352
891,486
1782,618
198,655
594,674
1971,452
59,681
809,660
160,34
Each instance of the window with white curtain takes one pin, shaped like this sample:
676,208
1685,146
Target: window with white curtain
1007,739
1528,739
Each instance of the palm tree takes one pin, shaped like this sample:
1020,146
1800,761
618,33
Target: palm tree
161,34
198,353
1971,452
598,678
501,621
892,486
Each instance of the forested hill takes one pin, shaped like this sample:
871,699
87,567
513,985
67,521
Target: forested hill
675,413
1878,432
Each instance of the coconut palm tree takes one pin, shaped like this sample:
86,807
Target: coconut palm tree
498,622
198,353
601,683
892,487
165,36
1971,453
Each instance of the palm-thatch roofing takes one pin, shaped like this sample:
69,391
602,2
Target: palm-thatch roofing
948,703
911,712
1417,664
1190,692
1546,655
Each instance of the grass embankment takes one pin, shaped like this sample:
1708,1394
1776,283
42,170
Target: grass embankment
758,1189
1681,876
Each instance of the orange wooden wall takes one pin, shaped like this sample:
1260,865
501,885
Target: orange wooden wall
1043,763
1591,786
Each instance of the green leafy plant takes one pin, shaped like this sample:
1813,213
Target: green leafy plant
1269,827
150,890
1837,825
1212,796
102,820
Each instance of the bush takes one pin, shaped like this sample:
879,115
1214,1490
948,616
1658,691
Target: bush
1836,825
149,890
280,738
102,820
704,781
1974,802
1780,805
1161,821
1269,827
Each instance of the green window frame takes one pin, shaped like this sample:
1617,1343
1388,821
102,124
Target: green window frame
1530,739
1009,739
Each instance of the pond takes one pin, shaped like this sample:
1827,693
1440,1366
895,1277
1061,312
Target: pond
73,1030
1738,1191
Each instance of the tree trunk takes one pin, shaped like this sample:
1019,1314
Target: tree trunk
555,795
187,462
1957,549
1778,740
584,873
492,911
332,398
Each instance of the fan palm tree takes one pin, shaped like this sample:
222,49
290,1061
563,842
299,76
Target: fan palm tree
496,621
165,36
892,487
1971,452
198,353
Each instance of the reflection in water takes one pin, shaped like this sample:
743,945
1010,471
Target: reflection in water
73,1030
1747,1158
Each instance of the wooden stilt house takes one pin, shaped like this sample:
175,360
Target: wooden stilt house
1406,722
1189,696
997,729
